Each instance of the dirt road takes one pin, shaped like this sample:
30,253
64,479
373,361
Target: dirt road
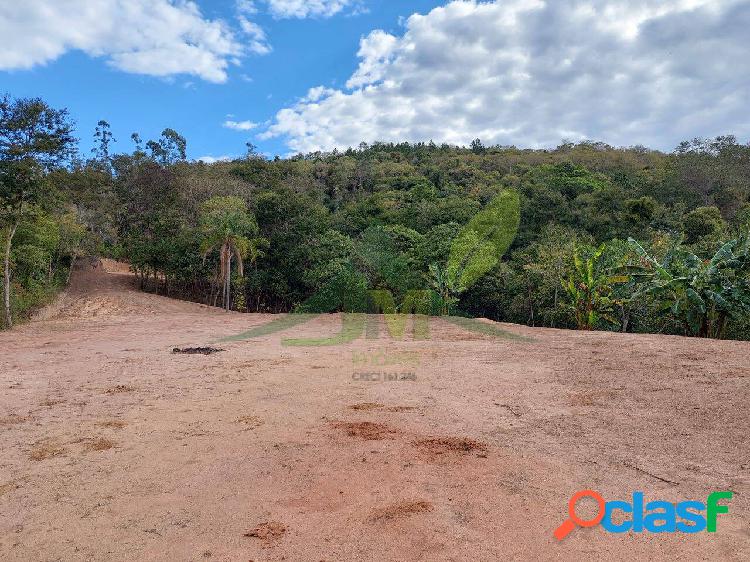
461,447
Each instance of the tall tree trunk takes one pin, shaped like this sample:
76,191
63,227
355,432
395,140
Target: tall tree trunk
228,283
6,275
555,307
70,270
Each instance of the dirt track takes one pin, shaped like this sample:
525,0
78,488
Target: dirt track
114,448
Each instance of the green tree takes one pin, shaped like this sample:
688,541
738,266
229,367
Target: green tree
72,237
34,139
701,222
545,263
228,227
103,138
169,149
477,147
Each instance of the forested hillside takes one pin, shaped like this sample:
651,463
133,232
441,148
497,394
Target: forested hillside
274,235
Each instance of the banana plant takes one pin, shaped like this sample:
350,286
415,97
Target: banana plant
702,294
446,288
589,290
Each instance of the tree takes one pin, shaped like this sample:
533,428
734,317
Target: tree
251,152
72,235
34,139
103,139
545,263
169,149
228,227
703,221
714,171
477,147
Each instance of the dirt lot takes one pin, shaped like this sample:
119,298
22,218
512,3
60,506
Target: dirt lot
468,448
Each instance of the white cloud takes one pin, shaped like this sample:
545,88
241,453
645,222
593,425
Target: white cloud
258,43
247,7
239,125
534,72
375,50
307,8
152,37
215,159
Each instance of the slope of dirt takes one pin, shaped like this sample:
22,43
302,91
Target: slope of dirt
461,447
103,288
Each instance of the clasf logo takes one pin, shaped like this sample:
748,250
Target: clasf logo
653,517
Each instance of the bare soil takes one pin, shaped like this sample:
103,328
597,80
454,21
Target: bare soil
115,448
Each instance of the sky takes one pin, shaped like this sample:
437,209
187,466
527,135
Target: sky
304,75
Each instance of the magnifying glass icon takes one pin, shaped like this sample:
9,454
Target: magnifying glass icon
569,524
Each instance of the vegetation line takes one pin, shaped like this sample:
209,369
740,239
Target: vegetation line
584,236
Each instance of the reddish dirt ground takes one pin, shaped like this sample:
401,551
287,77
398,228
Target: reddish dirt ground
114,448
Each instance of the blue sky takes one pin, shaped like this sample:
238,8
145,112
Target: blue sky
305,75
306,52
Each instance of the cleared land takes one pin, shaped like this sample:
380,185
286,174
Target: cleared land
115,448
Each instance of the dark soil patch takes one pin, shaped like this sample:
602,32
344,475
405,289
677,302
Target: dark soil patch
13,419
401,509
114,424
98,444
197,350
45,450
268,532
251,421
119,389
369,431
366,406
438,446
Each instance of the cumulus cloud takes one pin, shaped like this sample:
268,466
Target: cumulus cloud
535,72
239,125
152,37
375,52
307,8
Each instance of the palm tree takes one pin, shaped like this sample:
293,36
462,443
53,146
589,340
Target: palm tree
228,227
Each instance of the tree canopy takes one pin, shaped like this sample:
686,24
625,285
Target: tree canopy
515,235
